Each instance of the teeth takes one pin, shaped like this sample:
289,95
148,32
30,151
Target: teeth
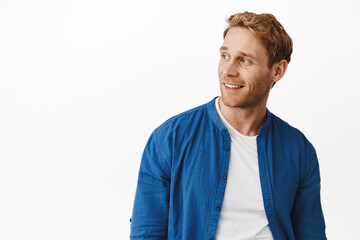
232,86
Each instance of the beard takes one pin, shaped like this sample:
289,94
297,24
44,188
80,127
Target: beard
245,97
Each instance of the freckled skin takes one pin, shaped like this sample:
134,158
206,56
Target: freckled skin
233,68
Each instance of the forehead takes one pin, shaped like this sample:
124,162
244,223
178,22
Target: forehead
241,39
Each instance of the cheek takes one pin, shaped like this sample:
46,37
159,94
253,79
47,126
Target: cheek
219,69
258,81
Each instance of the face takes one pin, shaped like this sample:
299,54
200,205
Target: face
244,75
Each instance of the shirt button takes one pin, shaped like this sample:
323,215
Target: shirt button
224,177
227,148
218,208
223,131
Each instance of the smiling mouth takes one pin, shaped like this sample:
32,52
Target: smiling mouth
232,86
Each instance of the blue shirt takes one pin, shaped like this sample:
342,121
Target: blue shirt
183,173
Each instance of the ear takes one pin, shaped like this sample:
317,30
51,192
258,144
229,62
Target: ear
279,70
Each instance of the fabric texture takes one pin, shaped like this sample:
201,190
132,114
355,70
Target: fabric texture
183,175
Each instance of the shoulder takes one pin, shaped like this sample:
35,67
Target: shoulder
180,130
294,144
183,121
288,132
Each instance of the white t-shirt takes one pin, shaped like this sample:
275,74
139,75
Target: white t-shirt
242,214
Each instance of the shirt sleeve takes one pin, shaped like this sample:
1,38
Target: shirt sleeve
151,206
306,215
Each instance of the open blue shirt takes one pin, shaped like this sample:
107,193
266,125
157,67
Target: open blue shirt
183,176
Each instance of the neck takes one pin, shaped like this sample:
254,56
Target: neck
247,121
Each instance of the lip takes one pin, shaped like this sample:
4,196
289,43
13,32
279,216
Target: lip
233,89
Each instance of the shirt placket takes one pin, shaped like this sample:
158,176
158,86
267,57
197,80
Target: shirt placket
222,179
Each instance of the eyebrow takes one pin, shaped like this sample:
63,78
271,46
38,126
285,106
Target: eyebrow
242,53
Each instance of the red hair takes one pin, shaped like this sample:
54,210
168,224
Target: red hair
268,30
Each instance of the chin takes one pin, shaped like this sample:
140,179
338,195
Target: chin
233,103
239,102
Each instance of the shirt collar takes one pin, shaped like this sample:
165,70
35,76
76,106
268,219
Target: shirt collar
218,123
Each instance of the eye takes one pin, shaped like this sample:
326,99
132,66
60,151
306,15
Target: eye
225,57
244,60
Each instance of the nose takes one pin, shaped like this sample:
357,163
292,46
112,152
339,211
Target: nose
230,69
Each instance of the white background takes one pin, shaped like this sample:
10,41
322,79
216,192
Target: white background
84,83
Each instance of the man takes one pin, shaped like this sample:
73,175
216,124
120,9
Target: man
230,169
